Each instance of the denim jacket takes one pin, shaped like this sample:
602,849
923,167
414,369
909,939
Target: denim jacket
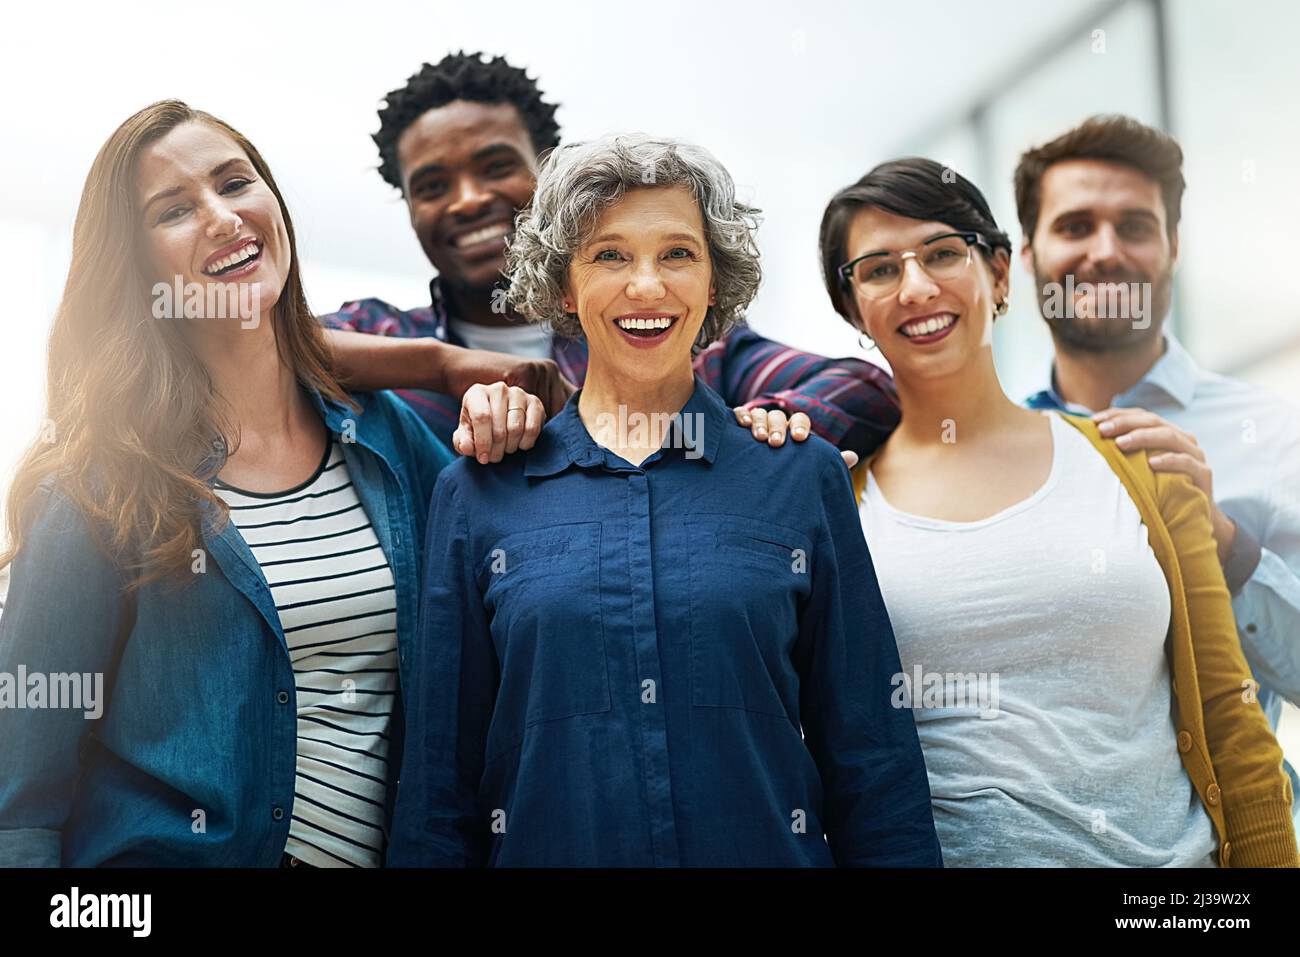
191,760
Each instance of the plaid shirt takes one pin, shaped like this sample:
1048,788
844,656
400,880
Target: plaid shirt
851,403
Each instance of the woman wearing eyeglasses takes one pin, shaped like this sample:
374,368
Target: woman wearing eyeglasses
1065,633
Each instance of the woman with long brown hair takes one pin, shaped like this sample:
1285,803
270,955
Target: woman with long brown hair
215,559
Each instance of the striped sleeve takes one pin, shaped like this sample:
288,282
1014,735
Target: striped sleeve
851,403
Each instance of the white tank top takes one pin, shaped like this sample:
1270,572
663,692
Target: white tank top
1032,645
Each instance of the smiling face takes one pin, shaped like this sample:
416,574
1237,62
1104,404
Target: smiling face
207,216
643,283
1103,223
467,168
926,328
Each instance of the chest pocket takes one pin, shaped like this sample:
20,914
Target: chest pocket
541,593
748,582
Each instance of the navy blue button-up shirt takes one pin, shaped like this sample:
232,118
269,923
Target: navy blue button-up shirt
633,666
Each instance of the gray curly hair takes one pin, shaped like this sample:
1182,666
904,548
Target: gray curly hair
579,181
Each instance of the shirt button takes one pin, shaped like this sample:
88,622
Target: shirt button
282,697
1184,742
277,814
1251,629
1212,794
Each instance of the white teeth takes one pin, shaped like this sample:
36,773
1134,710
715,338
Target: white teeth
924,327
662,322
247,252
483,235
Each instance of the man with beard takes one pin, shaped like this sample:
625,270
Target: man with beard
1099,209
461,142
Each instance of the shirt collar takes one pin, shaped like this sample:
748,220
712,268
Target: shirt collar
336,417
565,440
1175,374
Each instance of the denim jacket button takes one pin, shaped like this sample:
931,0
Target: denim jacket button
277,814
282,697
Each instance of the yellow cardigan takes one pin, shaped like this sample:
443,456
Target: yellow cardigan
1227,747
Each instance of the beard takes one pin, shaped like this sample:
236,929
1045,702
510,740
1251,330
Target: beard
1089,322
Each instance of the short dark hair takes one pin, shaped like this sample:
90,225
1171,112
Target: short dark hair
1116,139
916,188
462,76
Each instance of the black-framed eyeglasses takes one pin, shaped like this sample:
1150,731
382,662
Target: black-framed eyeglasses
879,275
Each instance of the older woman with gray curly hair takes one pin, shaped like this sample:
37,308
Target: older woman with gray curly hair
622,665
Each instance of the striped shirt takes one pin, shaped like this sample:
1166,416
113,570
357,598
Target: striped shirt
851,403
334,593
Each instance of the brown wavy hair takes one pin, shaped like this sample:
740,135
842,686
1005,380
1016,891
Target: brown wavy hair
132,409
1116,139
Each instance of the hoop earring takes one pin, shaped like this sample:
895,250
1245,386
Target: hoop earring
865,347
